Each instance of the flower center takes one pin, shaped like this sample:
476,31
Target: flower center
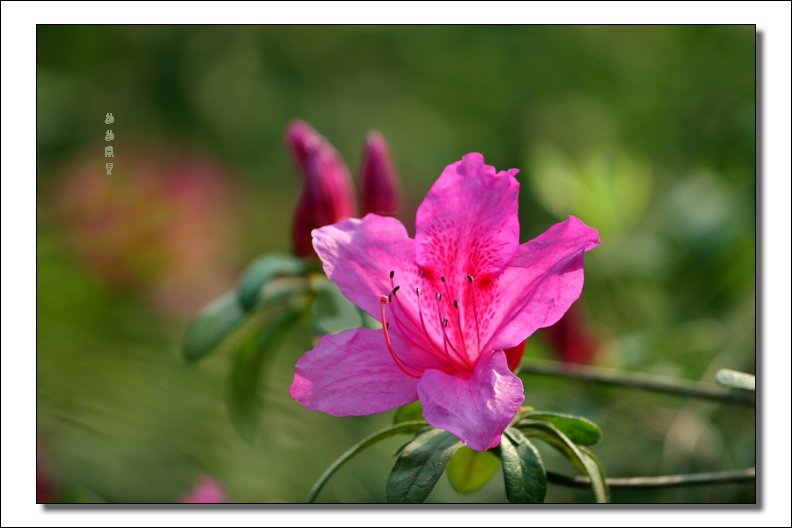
413,327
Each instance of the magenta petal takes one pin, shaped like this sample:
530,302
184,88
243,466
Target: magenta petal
477,409
352,374
543,279
358,255
468,223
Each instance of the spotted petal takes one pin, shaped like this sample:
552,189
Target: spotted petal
468,223
543,279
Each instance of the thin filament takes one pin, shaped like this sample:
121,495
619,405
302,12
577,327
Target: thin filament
384,301
475,314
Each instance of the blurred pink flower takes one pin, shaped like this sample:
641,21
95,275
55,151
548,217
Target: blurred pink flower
458,295
205,491
45,484
159,225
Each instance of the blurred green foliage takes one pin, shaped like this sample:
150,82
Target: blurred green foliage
645,133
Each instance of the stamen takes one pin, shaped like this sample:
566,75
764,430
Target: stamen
423,325
443,324
475,314
459,326
385,325
407,330
445,337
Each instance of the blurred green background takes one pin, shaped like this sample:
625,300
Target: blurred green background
645,133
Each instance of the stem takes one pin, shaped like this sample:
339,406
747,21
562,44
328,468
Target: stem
665,481
637,380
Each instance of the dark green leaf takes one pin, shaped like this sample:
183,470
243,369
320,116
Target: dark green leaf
332,312
393,430
523,472
580,430
731,379
582,461
419,466
243,397
412,412
469,470
211,326
600,471
263,270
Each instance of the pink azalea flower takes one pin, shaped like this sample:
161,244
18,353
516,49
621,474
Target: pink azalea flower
451,301
205,491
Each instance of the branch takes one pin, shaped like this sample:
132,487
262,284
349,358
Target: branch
666,481
637,380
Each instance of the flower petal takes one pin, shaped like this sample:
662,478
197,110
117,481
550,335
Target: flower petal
543,279
476,409
352,374
468,223
359,254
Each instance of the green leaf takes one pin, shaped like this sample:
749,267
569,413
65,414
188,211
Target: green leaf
412,412
332,312
211,326
393,430
560,446
243,395
731,379
261,271
469,470
420,465
600,471
584,461
523,472
580,430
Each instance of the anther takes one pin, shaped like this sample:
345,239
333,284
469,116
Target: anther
418,291
391,274
439,296
456,304
442,279
445,323
396,289
387,325
470,279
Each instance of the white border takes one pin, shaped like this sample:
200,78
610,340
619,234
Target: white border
18,246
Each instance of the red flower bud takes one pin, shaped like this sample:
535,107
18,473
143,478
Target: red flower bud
380,191
327,197
571,339
514,356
